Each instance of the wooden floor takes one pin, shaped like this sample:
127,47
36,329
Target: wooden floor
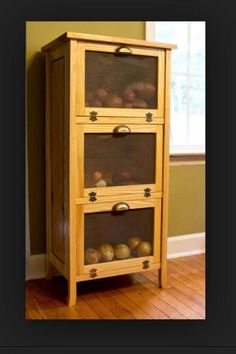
135,296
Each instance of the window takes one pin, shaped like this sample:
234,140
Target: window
187,121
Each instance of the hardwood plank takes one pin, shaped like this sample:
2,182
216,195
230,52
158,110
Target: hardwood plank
143,303
179,268
189,282
85,311
182,308
151,294
175,303
198,260
33,310
114,306
135,296
136,311
189,265
196,297
53,307
196,265
98,307
185,299
183,293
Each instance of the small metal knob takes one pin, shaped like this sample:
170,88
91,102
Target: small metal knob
121,129
120,207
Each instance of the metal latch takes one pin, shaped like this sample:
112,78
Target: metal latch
147,192
93,116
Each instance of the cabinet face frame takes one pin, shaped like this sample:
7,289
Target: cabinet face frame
121,264
104,115
118,190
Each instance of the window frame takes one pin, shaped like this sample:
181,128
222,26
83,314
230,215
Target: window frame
179,155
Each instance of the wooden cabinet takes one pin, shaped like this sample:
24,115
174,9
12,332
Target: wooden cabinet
107,153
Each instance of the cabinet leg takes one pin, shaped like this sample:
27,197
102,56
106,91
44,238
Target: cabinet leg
162,275
72,293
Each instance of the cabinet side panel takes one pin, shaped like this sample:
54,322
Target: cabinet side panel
57,157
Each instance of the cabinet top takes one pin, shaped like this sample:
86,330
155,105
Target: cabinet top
104,39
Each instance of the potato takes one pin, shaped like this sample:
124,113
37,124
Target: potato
96,103
121,178
144,249
114,101
128,95
148,91
138,88
92,256
122,251
107,252
97,176
101,94
128,105
139,103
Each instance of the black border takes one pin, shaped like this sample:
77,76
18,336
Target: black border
217,331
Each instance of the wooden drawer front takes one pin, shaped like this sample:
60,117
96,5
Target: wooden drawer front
115,85
126,163
102,224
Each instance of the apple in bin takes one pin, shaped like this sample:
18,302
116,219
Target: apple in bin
92,256
107,252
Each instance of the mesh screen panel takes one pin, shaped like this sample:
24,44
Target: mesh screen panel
115,228
119,159
120,81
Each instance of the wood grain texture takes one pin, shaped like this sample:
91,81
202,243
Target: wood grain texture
68,199
48,181
119,190
104,39
73,179
57,158
158,112
135,296
165,200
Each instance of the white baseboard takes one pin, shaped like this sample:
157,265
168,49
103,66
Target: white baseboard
36,266
177,246
185,245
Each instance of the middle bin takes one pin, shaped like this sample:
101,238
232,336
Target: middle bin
119,159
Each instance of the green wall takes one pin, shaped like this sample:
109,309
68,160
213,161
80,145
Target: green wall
187,183
187,199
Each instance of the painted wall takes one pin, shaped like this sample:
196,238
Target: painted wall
187,183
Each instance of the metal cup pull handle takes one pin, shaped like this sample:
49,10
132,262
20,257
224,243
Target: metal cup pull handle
124,50
121,129
120,207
